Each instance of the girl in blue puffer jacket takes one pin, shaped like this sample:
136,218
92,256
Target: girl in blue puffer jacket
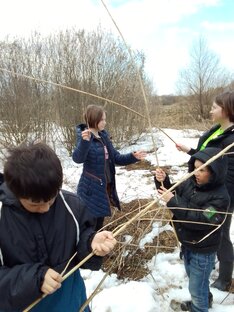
97,187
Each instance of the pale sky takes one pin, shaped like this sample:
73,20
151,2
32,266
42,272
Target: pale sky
163,29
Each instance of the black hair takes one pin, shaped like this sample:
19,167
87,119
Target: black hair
33,171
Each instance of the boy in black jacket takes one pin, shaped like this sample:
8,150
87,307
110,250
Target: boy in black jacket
41,228
199,226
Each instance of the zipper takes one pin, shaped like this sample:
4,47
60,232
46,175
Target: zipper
107,195
93,176
100,140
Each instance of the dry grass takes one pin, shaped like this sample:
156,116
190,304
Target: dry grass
146,165
141,165
177,116
129,260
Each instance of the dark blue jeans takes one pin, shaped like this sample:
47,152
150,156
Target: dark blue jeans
198,267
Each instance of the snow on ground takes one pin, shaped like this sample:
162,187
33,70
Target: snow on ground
167,279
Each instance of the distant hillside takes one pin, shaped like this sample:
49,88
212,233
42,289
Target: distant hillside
176,115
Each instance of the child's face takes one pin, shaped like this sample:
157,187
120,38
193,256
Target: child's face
36,207
102,123
202,176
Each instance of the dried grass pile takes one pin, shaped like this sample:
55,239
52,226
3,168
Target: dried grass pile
129,260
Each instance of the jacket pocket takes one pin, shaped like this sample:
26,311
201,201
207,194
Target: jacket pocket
92,176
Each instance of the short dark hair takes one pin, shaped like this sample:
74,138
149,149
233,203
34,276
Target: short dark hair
33,171
226,101
93,115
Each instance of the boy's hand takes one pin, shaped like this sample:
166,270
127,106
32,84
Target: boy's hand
52,282
167,196
160,175
102,243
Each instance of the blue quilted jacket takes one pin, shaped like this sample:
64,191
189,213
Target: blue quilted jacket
92,186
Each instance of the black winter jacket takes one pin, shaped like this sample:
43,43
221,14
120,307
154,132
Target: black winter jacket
30,243
221,141
209,197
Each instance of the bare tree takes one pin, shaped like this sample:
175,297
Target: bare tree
203,78
95,62
98,63
23,107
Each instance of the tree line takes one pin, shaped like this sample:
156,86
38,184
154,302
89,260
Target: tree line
97,63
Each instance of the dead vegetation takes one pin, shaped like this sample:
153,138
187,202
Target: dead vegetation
178,116
145,165
129,260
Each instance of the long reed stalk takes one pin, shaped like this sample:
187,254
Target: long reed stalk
139,215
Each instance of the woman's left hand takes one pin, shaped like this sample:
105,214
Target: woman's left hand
140,155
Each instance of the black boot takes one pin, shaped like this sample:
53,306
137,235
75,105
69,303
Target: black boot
186,305
225,276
